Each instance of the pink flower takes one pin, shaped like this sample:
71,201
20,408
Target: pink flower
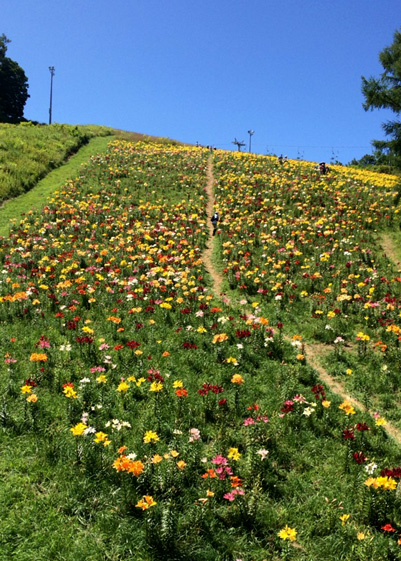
220,460
194,435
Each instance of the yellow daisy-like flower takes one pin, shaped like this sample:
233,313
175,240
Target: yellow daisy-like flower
232,360
156,387
288,533
233,454
150,436
347,408
146,502
70,392
26,389
123,387
78,429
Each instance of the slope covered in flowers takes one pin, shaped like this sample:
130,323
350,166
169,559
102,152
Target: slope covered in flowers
306,245
149,420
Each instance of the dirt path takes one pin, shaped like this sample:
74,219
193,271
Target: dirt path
207,254
312,354
390,251
312,351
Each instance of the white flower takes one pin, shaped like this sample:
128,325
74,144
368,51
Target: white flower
263,453
132,456
370,468
89,430
308,411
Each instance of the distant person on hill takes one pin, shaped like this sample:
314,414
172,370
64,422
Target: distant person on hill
214,220
323,168
280,159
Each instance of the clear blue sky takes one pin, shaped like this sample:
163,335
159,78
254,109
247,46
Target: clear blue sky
209,70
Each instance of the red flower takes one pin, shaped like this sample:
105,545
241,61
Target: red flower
396,472
359,457
348,434
388,528
253,407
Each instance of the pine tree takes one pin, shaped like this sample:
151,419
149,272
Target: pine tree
385,92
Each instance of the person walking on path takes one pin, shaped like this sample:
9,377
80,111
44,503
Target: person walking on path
215,219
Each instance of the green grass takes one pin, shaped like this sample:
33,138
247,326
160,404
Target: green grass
122,238
11,210
28,152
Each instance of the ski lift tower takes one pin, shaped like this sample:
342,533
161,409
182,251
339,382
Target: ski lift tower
250,132
239,144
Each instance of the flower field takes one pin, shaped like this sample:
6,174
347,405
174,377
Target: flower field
144,417
307,246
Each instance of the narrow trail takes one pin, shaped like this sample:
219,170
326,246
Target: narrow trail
312,354
207,254
389,249
312,350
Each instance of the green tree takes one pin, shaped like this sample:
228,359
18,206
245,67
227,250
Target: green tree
13,87
385,92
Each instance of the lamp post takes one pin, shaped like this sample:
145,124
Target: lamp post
52,69
250,132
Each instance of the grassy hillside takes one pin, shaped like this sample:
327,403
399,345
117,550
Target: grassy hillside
28,152
45,157
144,417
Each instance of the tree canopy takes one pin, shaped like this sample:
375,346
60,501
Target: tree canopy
385,92
13,87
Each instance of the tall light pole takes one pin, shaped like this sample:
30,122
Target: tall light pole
52,69
250,136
